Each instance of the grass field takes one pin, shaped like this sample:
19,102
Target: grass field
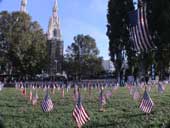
121,111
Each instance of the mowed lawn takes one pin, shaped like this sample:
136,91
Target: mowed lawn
121,110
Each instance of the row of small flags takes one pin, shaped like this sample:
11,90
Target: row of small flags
47,105
146,103
142,41
84,84
79,113
134,87
54,85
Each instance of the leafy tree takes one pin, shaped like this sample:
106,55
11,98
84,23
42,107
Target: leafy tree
159,25
27,49
82,57
3,43
118,33
159,22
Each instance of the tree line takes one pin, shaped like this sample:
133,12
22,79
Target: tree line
139,63
23,49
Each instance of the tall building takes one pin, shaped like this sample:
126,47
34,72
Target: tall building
55,43
108,66
23,7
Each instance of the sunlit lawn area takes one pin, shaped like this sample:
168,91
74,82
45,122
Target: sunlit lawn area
121,110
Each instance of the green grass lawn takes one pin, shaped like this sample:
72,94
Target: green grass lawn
121,111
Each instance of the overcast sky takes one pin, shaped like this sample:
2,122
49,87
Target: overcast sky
76,17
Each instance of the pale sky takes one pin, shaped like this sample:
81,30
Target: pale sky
76,17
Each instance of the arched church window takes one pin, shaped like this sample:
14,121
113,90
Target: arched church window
55,32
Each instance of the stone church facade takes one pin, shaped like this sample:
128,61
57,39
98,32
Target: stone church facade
55,43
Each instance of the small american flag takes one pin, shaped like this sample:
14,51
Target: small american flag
115,87
62,92
53,89
35,98
76,93
79,113
108,94
45,88
136,94
102,99
129,86
47,104
146,104
24,92
30,94
161,88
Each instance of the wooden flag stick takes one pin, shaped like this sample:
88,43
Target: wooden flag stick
147,117
33,108
145,87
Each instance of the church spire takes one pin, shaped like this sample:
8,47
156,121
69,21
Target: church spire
54,25
55,8
23,6
55,43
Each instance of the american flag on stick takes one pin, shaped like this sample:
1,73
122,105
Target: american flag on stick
30,95
62,92
35,98
115,87
136,94
24,91
53,90
161,88
47,104
102,99
79,113
76,93
146,104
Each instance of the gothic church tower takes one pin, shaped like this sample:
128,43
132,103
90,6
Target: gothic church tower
55,43
23,7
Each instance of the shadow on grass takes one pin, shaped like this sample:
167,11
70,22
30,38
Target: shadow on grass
97,125
113,123
1,122
135,115
168,125
1,125
10,106
13,116
6,100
